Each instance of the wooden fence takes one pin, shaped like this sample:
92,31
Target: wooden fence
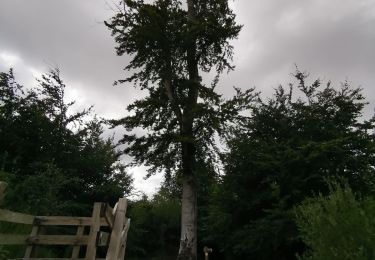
103,217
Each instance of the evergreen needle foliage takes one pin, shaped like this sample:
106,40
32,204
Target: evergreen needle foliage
170,45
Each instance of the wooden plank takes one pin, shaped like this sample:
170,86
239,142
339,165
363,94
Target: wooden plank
94,229
12,239
109,216
30,248
57,240
15,217
115,241
66,221
76,249
124,239
114,208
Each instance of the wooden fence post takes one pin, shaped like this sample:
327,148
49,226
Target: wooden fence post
3,186
118,228
206,251
94,229
124,239
31,248
75,252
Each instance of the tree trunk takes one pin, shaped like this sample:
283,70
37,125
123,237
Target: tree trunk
188,242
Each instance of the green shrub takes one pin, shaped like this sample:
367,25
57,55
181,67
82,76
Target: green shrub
339,226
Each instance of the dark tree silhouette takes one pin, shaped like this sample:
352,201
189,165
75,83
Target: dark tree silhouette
171,44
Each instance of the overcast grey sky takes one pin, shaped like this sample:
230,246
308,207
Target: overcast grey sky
331,39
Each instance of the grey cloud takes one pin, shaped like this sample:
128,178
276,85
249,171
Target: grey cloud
331,39
71,35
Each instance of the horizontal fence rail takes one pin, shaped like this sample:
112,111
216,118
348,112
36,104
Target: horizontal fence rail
15,217
20,218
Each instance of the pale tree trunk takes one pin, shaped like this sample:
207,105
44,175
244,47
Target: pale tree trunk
188,242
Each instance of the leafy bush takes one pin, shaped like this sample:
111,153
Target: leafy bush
154,229
338,226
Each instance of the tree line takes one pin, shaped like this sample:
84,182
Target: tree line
291,148
53,157
297,183
280,150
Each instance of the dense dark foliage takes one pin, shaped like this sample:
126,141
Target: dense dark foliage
155,227
158,37
56,161
282,153
292,143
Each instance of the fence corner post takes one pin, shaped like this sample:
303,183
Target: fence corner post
114,247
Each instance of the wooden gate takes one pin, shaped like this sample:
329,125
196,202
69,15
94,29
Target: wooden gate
89,234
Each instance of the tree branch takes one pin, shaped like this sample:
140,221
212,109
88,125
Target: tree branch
168,90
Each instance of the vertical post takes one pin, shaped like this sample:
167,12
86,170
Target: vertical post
30,248
124,239
94,229
75,252
206,251
3,186
113,252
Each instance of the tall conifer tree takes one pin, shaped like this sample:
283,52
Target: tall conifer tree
171,44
